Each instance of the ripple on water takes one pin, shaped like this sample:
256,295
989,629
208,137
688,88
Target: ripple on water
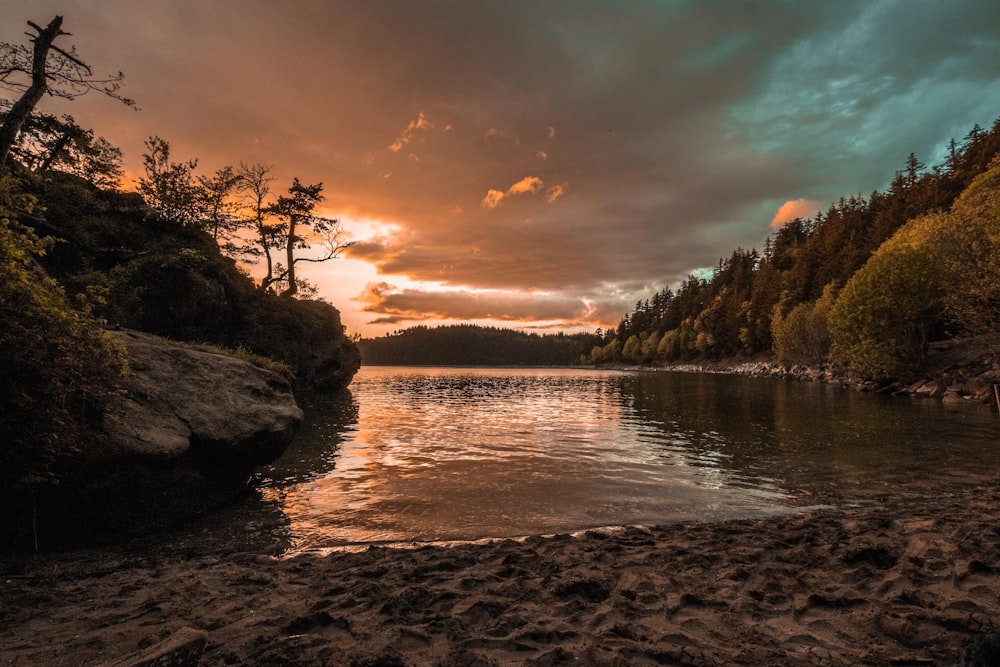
458,454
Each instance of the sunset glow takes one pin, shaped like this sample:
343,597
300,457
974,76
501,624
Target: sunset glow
536,165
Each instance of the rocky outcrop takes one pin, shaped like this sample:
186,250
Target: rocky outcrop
175,282
183,402
309,337
185,437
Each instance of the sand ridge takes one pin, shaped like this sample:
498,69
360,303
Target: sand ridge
906,581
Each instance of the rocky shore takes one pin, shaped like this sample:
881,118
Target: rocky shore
958,370
903,581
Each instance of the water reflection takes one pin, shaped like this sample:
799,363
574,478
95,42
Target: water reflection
815,439
430,454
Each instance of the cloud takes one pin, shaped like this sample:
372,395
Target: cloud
555,192
395,305
527,185
420,123
796,208
492,198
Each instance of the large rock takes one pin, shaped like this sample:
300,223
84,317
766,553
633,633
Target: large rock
184,438
183,401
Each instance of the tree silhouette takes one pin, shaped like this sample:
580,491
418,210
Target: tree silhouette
299,222
170,188
255,191
46,69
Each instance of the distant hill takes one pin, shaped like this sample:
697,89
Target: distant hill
470,345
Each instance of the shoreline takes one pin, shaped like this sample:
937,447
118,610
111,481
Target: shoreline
957,371
909,581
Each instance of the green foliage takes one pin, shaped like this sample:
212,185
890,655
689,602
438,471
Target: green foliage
632,350
173,281
604,354
60,367
669,347
940,272
970,238
882,320
803,335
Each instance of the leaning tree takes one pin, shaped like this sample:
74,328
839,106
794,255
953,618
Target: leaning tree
46,69
298,227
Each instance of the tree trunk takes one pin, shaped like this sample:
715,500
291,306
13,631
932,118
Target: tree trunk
54,153
290,254
21,109
264,241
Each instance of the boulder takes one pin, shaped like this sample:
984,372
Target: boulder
184,401
185,438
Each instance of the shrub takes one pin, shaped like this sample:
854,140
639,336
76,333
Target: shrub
59,366
883,319
803,336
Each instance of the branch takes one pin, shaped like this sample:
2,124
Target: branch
332,253
72,58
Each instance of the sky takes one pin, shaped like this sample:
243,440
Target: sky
543,164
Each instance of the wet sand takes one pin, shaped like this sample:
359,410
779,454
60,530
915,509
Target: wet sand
897,582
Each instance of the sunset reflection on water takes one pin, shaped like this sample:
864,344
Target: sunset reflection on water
456,453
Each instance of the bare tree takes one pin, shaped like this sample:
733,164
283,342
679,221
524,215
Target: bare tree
46,69
255,188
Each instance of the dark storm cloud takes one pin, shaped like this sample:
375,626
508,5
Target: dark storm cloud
591,150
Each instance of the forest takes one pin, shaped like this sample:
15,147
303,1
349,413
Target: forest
471,345
869,284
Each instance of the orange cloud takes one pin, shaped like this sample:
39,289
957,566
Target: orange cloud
555,192
395,305
527,185
542,155
492,199
795,208
420,123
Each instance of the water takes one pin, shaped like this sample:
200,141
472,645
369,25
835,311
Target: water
454,454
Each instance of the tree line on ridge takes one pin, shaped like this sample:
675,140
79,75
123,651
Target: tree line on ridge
870,283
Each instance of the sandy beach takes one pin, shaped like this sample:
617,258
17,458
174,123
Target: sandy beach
898,582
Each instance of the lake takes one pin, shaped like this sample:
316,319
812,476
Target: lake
436,454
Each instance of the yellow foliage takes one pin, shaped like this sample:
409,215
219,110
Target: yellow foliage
938,270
